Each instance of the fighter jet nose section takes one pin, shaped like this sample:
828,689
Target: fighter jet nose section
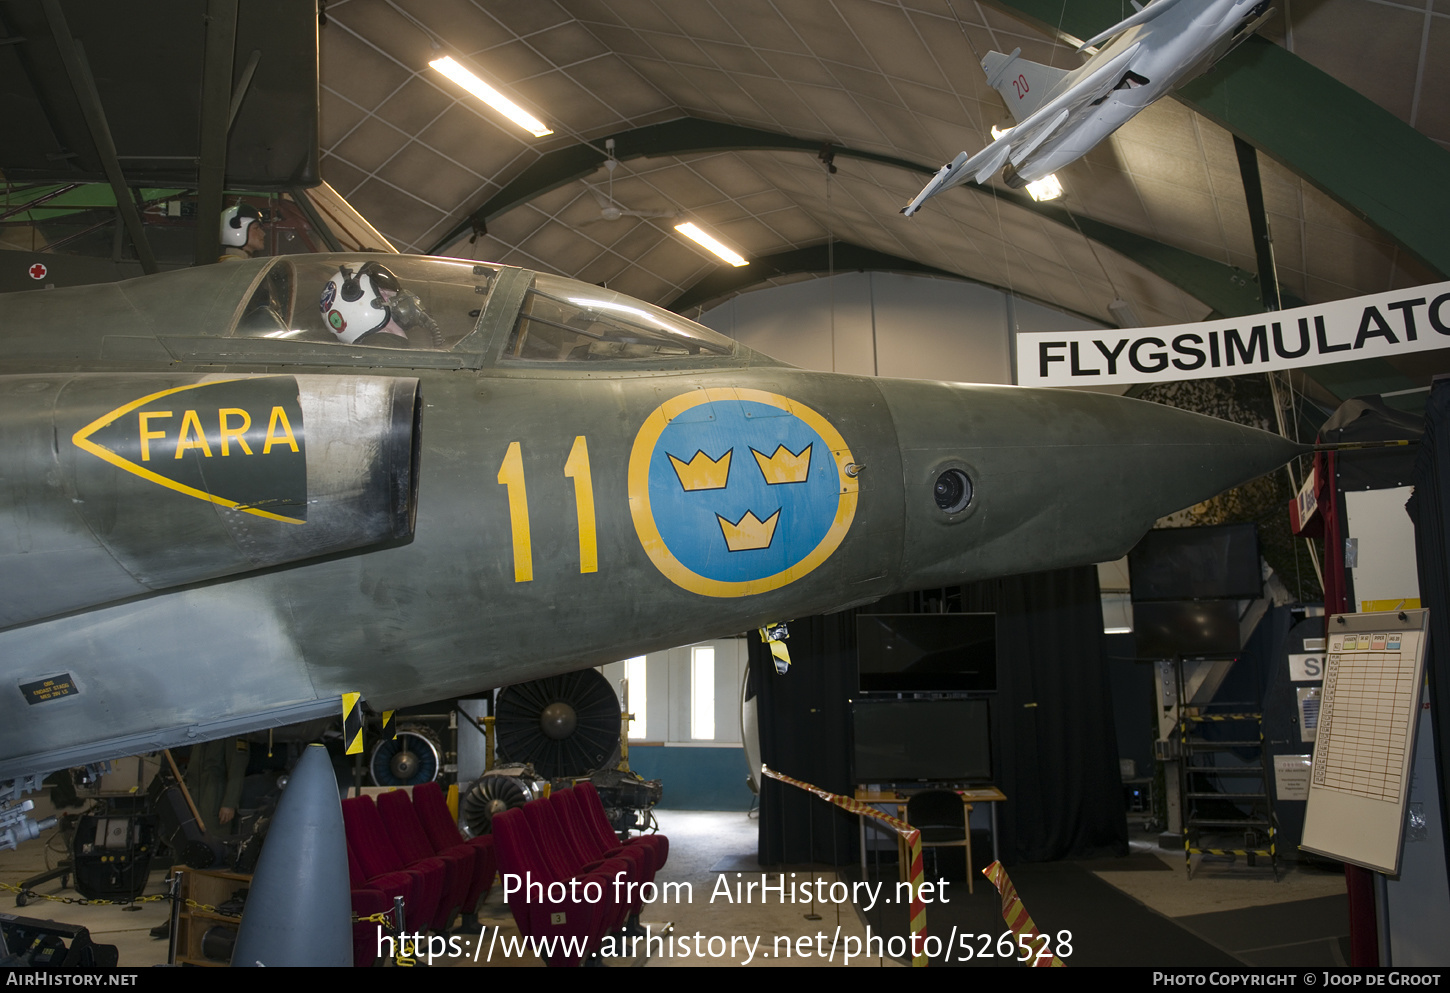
1000,480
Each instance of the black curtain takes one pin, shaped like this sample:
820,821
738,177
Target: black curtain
1429,508
805,733
1054,743
1057,755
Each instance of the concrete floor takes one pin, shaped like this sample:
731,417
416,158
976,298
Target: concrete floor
703,845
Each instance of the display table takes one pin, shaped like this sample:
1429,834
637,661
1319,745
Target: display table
899,797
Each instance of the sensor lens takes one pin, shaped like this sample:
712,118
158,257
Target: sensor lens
953,491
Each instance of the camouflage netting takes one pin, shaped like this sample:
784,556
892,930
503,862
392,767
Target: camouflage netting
1263,501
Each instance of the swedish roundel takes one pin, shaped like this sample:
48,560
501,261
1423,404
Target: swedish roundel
737,491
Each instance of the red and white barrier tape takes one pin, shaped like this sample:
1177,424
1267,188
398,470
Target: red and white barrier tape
913,844
1016,916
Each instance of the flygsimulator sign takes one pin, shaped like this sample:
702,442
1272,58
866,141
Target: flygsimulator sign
1383,325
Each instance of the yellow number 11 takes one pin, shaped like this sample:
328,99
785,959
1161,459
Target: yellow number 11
577,469
511,474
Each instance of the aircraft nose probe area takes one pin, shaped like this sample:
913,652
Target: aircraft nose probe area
1086,474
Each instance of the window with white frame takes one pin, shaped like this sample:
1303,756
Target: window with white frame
702,692
638,701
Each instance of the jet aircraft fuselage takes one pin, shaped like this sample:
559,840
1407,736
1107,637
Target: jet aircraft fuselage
218,517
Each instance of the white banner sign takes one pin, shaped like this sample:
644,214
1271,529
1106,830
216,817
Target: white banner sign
1379,326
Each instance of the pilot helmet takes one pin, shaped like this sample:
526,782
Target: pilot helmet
354,305
236,224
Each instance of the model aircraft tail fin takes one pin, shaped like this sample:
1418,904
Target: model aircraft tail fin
1024,85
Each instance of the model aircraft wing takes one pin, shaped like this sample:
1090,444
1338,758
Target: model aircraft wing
961,169
1143,16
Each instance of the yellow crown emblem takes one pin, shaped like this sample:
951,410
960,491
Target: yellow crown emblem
703,472
783,467
748,533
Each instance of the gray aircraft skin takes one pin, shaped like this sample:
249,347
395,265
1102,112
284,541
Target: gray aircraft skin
217,517
1061,115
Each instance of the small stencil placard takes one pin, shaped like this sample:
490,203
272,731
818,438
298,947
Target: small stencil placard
50,688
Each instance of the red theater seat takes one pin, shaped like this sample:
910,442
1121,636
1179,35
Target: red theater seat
566,913
561,859
593,809
366,901
379,861
443,834
586,844
411,841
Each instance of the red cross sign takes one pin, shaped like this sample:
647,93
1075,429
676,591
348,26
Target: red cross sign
38,271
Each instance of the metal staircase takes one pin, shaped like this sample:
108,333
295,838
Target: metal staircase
1224,783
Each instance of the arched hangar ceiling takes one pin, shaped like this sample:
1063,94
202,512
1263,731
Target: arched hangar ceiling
1155,215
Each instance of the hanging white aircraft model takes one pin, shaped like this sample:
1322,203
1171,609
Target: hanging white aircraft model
1061,114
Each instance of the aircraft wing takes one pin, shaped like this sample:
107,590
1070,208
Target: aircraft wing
1031,133
961,169
1143,16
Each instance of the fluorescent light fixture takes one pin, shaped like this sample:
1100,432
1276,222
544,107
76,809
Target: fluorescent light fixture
490,96
998,132
1046,188
689,230
1122,311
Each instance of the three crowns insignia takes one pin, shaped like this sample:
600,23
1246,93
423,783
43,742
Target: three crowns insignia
748,533
780,467
703,472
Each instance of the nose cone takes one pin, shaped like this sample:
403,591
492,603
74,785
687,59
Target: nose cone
1002,480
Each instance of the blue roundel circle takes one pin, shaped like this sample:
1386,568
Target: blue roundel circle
738,491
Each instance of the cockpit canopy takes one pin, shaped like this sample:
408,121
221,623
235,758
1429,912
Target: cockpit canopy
564,320
438,303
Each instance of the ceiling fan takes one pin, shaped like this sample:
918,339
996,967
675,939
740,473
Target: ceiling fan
609,208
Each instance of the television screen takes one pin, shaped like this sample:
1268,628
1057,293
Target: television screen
901,741
1190,628
1220,562
926,653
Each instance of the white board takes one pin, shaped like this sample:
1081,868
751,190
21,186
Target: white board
1385,574
1360,778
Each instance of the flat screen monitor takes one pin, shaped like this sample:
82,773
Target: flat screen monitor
1190,628
1218,562
927,653
905,741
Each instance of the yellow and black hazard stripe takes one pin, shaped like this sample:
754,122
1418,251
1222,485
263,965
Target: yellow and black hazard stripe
774,635
352,723
1266,852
